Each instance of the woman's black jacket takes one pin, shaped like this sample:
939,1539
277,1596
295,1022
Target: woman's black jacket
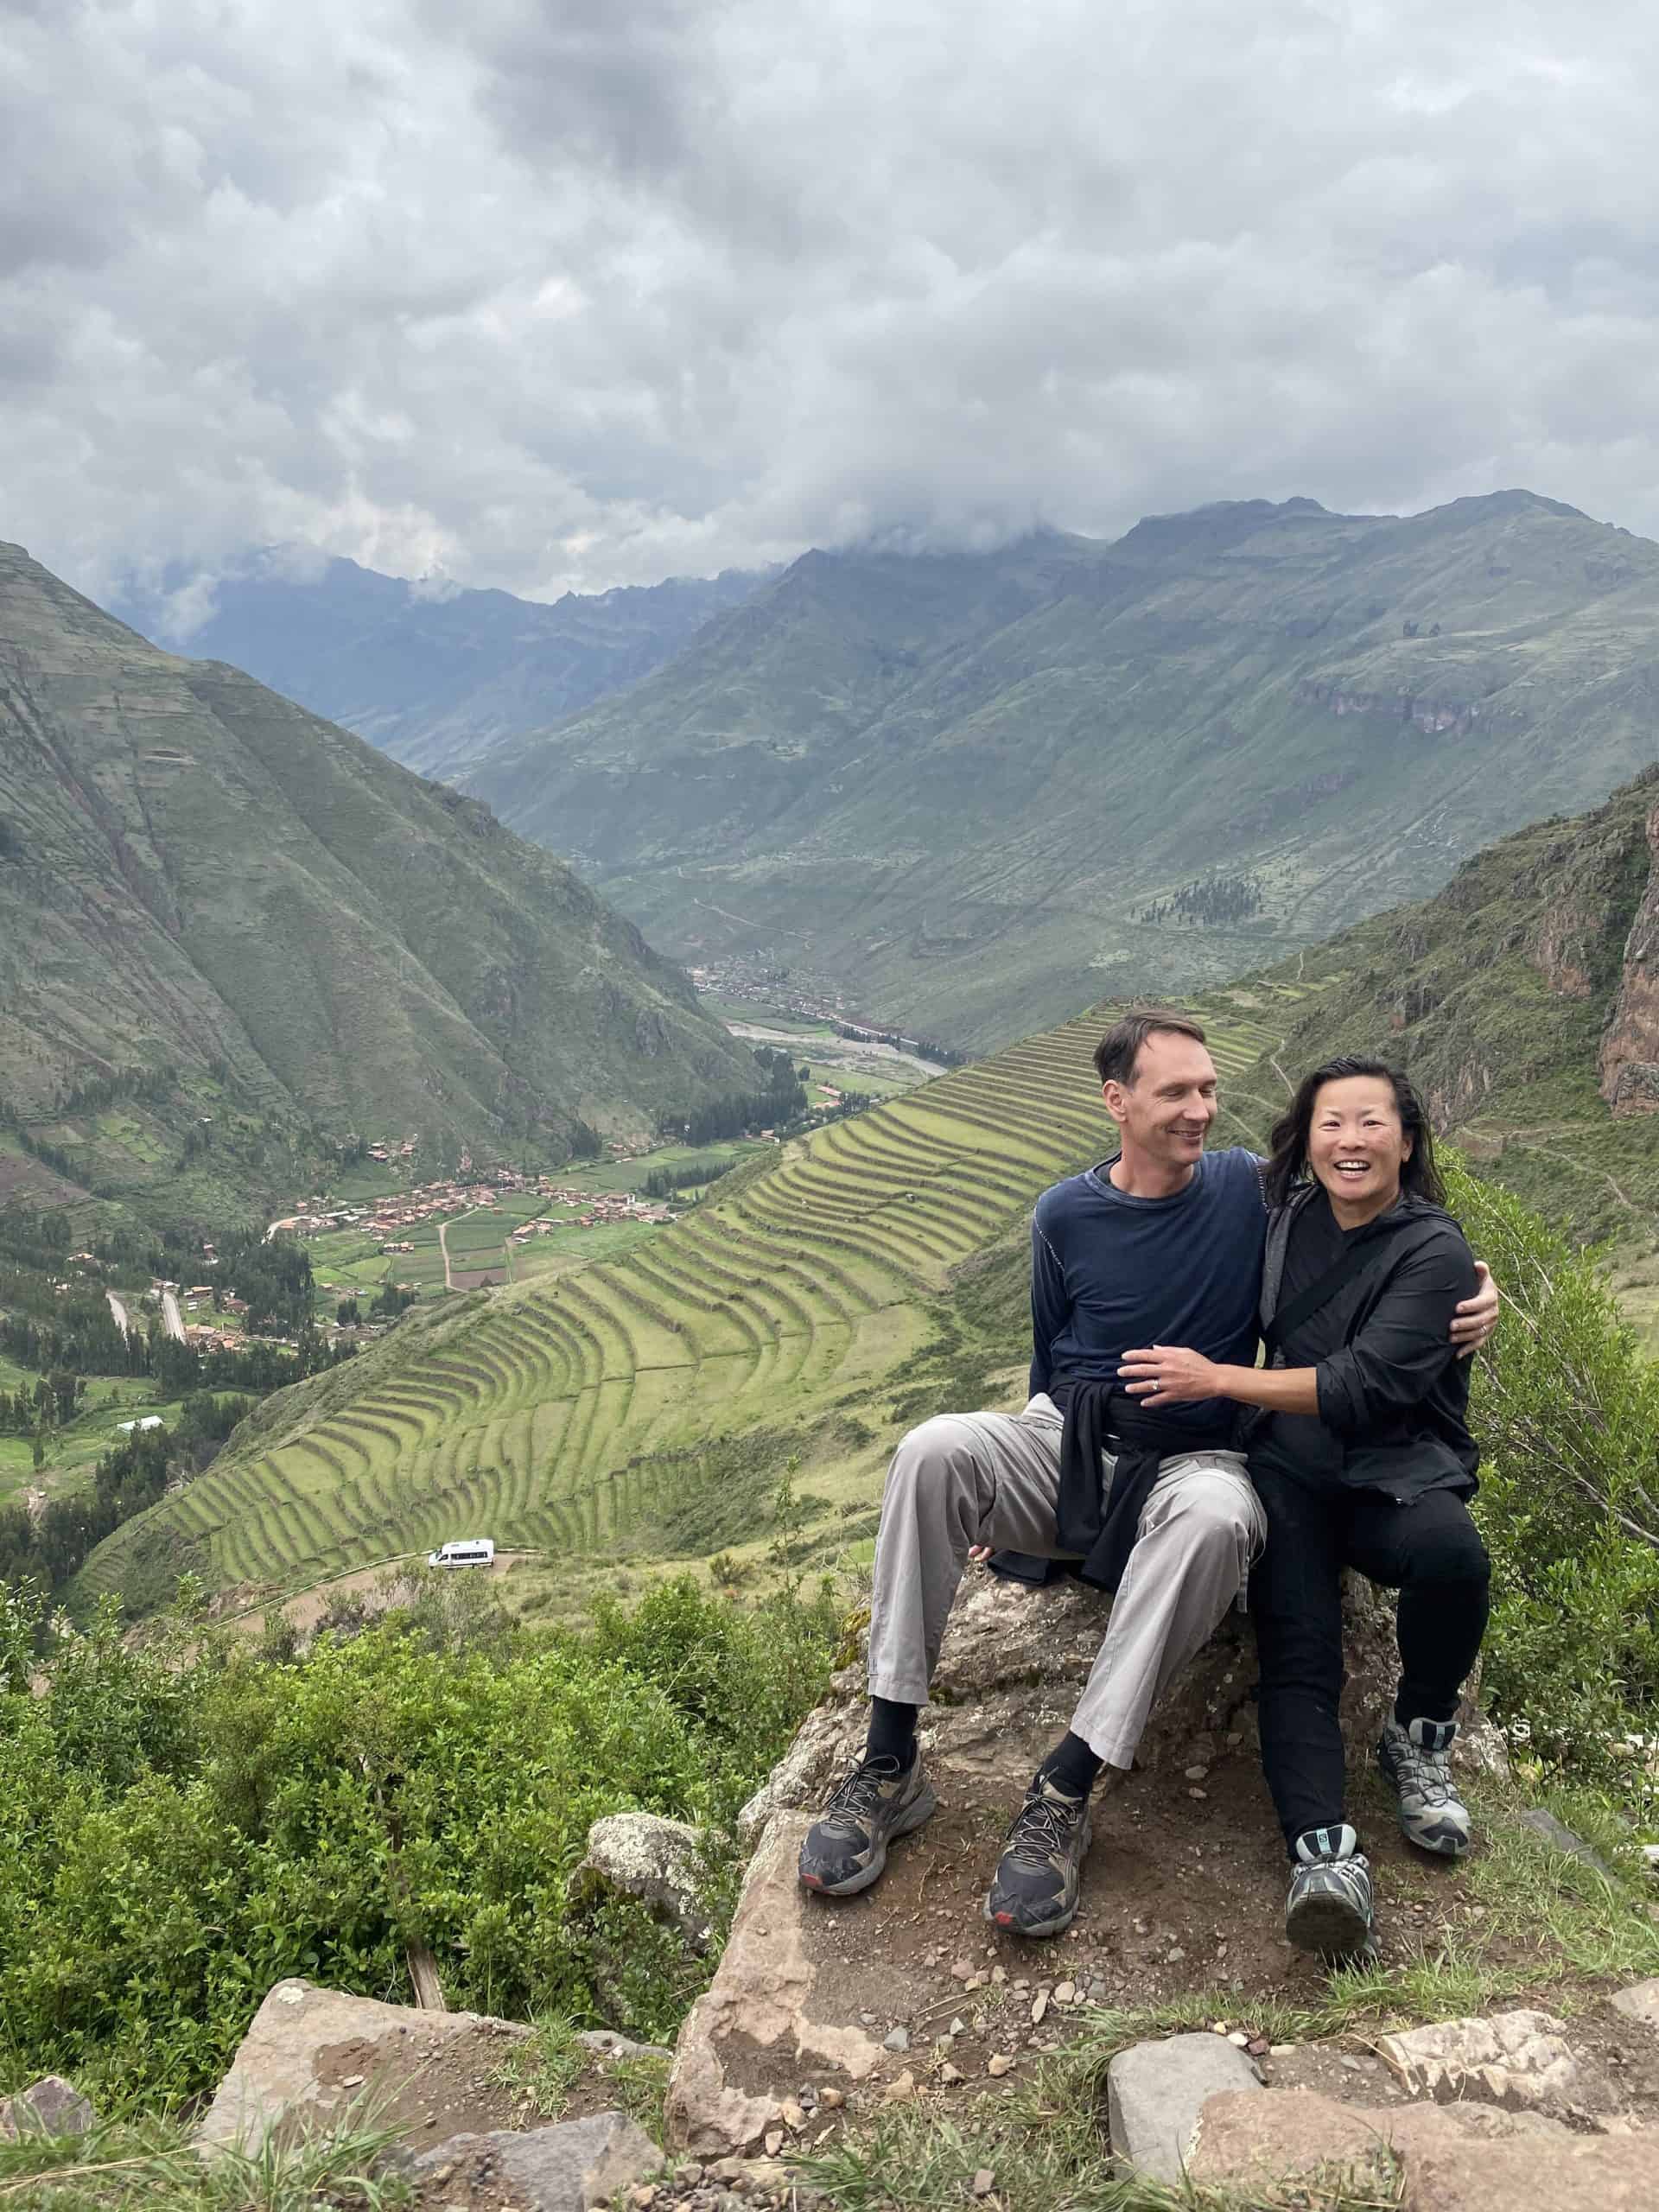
1394,1397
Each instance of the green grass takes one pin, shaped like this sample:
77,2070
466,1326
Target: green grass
151,2165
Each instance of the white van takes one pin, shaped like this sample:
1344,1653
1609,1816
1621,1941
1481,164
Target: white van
466,1551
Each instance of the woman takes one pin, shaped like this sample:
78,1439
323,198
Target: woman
1361,1453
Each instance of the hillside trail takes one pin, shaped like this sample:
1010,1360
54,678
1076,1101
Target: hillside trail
468,1278
1551,1152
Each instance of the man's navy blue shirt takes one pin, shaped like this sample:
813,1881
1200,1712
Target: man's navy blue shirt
1110,1273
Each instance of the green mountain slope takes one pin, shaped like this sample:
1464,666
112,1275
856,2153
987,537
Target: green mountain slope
973,792
213,905
432,675
1524,1000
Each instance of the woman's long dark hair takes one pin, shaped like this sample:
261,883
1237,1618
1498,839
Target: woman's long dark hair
1420,1177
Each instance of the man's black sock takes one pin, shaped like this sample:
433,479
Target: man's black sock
1072,1765
893,1731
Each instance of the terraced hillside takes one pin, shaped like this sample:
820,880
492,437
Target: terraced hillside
586,1417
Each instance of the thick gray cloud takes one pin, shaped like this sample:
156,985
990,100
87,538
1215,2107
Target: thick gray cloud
553,293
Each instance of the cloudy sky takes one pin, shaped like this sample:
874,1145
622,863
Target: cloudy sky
567,293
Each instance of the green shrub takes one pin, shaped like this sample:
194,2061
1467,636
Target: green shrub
1567,1414
180,1830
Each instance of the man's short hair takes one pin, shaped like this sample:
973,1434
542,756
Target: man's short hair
1119,1048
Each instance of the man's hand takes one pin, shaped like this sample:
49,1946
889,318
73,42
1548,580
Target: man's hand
1475,1319
1169,1375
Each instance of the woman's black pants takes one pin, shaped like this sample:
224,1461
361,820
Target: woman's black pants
1429,1550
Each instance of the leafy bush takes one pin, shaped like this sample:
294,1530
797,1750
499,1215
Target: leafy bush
1568,1416
180,1828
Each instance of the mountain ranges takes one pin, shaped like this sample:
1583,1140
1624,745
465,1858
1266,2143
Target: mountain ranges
230,930
966,793
429,672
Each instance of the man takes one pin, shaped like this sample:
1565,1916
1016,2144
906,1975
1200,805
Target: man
1160,1244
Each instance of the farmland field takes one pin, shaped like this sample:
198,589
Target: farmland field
72,1453
584,1413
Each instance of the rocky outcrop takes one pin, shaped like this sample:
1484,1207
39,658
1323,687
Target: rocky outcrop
1629,1044
313,2055
1519,2060
573,2167
656,1861
1434,717
1458,2157
821,1996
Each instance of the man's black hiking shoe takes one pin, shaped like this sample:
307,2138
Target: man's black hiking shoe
1330,1909
846,1847
1035,1889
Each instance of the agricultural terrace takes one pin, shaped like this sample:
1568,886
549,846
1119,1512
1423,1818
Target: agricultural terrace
568,1413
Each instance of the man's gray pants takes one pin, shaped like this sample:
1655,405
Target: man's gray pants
994,1478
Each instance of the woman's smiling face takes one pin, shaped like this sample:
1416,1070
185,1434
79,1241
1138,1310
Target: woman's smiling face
1356,1145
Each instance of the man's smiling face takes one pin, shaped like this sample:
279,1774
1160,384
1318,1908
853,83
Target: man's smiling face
1164,1112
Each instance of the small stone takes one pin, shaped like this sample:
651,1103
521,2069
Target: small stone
1198,1774
984,2181
1065,1993
642,2195
998,1975
689,2174
728,2170
1280,2050
959,2027
1239,2040
1350,2065
962,1971
902,2090
896,2039
794,2117
998,2064
1258,2046
1198,1793
1174,1958
49,2107
976,1982
1639,2003
774,2141
353,2081
1038,2007
832,2099
950,2075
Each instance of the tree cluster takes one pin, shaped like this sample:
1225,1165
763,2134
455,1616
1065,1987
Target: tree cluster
1216,899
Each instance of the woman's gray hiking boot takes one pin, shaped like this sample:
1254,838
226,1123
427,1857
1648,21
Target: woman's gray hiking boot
1416,1761
1035,1892
1329,1908
846,1847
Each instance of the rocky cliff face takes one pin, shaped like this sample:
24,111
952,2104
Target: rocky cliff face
1630,1045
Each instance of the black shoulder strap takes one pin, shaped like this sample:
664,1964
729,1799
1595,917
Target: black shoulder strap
1355,1259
